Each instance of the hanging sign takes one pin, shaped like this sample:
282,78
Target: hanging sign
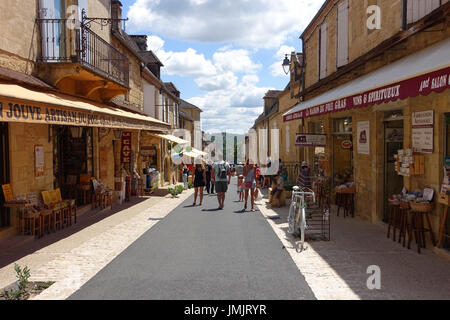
347,144
364,137
310,140
423,131
126,147
39,161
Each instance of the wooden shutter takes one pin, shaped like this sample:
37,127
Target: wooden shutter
323,51
342,34
417,9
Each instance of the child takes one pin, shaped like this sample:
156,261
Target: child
241,188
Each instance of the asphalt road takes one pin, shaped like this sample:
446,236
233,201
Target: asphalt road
200,253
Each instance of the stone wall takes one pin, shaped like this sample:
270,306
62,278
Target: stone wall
19,40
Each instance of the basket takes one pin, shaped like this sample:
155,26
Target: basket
421,207
405,205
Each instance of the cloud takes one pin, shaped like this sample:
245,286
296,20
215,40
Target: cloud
256,23
276,69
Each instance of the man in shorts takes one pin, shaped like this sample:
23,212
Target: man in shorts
222,174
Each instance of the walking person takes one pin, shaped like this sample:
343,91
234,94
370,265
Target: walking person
278,186
185,177
222,177
199,182
304,176
250,184
208,179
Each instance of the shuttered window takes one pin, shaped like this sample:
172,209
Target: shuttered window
323,51
342,34
417,9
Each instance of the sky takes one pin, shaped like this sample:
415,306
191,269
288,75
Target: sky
222,55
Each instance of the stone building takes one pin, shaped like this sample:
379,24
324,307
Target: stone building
370,74
71,94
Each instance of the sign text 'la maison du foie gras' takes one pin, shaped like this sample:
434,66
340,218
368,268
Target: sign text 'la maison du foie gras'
20,112
436,81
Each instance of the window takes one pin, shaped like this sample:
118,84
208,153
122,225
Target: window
342,34
323,51
417,9
343,126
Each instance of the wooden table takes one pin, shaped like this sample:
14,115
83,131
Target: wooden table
445,200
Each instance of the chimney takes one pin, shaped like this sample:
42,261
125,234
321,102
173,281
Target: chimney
116,13
141,41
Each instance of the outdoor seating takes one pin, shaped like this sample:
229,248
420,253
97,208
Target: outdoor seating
416,226
50,201
393,219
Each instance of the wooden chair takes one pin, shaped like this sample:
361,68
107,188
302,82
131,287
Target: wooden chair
51,203
64,205
416,226
32,223
393,222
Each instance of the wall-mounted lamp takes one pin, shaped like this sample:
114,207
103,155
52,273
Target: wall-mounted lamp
286,65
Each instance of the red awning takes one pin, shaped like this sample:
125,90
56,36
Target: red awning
419,74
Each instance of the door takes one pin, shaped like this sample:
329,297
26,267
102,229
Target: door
53,30
393,141
5,218
447,155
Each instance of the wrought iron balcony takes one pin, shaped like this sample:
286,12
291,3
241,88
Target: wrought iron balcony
63,44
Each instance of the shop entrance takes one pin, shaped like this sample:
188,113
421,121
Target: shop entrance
446,243
342,151
73,157
5,217
393,141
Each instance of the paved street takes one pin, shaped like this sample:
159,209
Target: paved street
201,253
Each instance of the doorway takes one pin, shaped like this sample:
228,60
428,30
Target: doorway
73,156
5,216
446,243
393,141
342,151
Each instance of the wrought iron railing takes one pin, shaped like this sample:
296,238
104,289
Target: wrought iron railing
61,43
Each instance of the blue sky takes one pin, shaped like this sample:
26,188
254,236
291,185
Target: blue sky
223,55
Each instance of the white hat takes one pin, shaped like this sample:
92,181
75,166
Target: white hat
304,164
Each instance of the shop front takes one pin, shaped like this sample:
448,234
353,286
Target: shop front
51,141
399,110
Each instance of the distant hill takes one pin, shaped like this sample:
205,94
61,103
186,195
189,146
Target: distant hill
218,140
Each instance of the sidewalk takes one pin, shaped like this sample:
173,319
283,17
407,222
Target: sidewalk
71,256
337,269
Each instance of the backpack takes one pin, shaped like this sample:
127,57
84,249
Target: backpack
222,171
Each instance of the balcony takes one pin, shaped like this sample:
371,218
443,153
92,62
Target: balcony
79,60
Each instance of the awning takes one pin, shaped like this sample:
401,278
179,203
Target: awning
171,138
418,74
19,104
194,153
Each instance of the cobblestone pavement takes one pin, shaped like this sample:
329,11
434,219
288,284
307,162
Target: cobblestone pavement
338,269
75,259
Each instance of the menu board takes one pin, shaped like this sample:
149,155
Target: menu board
423,132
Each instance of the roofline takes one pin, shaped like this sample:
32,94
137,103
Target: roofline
315,18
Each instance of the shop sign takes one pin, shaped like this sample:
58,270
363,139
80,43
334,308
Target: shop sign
29,112
346,144
126,147
310,140
436,81
39,161
363,137
423,131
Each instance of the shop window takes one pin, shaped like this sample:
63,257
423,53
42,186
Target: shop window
343,126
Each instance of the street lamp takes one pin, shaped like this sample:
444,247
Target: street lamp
286,65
